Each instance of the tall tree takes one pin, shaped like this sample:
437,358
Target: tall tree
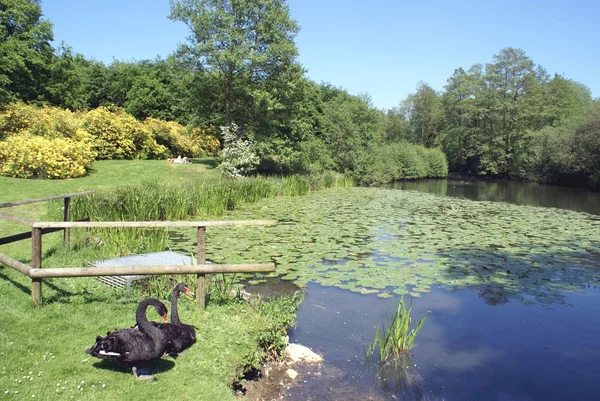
424,113
25,51
244,43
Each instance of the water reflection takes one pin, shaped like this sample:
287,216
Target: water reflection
520,193
467,349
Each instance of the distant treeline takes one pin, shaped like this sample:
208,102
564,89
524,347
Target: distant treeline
507,118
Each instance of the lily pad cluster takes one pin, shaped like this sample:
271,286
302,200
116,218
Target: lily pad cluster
387,242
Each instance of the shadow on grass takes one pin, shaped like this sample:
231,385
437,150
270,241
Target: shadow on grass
18,285
156,366
209,162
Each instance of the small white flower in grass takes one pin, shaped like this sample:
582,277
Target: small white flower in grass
83,381
103,385
32,395
6,392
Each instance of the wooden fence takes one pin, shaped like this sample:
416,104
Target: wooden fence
37,273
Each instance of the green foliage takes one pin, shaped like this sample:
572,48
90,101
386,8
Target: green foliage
348,125
568,153
151,201
424,114
25,51
397,338
247,46
392,162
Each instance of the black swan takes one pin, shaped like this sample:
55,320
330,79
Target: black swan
135,345
181,336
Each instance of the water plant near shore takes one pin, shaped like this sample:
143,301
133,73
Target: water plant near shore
204,198
390,242
397,338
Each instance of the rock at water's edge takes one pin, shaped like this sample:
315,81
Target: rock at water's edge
297,353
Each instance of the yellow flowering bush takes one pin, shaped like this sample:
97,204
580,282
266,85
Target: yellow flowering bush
205,142
32,156
53,122
16,118
118,135
179,140
49,142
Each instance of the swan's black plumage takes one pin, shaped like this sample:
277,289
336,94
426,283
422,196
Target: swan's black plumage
131,346
181,336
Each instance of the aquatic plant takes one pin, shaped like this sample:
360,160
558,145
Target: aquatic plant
397,338
152,201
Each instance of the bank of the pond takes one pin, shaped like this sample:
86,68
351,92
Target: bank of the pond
42,351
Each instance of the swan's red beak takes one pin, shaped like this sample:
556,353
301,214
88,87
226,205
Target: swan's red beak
189,292
164,316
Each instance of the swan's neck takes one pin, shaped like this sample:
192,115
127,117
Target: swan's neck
174,312
142,320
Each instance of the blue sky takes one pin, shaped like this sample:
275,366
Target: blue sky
380,47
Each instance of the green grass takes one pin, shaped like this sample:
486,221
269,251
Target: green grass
48,344
398,338
106,175
43,350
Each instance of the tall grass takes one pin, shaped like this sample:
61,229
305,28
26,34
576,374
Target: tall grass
205,198
397,338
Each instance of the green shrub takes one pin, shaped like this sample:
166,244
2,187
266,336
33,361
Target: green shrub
390,162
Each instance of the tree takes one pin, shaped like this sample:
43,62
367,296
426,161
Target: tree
424,112
244,43
25,51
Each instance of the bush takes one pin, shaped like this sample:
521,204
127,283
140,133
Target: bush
19,118
238,157
118,135
30,156
179,140
403,160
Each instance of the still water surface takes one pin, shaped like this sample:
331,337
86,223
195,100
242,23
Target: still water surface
474,345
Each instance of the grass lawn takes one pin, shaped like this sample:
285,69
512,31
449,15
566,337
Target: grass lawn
108,174
105,174
42,350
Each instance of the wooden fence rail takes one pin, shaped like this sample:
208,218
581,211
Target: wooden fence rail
29,222
37,273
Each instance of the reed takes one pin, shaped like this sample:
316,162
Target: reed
152,201
398,338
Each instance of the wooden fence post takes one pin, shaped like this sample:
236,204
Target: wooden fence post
67,217
36,263
201,259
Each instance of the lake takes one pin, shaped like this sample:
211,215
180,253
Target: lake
510,280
